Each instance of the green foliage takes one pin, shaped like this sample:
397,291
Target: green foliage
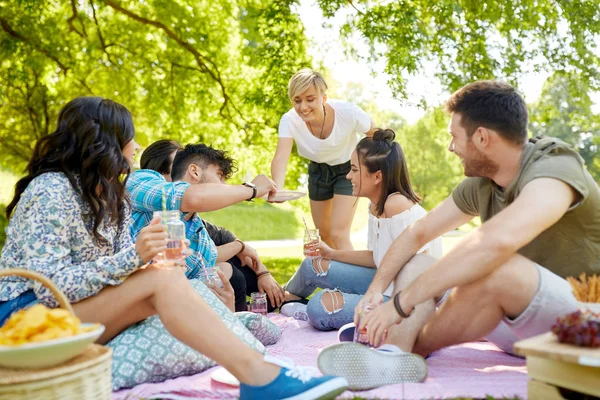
564,110
211,71
434,171
468,40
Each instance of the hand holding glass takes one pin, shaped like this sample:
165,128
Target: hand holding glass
177,244
311,242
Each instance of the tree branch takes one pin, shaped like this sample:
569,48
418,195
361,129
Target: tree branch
6,27
353,6
202,61
74,17
102,42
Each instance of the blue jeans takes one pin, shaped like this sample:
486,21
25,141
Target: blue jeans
352,281
24,300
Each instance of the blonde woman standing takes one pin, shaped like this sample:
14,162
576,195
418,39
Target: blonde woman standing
326,132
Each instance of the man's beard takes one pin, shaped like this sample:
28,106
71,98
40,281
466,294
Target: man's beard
477,164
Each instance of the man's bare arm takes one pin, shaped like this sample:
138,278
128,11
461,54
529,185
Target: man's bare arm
204,197
443,218
542,203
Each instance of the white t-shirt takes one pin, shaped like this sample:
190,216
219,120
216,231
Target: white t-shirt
350,120
383,231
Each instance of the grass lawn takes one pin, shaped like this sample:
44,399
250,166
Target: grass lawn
260,220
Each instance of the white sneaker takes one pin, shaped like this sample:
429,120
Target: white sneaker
367,368
295,310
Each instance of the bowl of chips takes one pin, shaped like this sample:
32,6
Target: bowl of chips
40,337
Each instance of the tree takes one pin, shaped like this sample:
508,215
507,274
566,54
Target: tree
467,40
434,171
213,71
564,110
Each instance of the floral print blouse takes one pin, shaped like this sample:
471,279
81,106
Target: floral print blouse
50,232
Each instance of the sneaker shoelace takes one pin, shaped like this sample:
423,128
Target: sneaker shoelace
304,374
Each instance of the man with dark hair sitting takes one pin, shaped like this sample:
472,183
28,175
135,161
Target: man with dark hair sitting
192,180
540,213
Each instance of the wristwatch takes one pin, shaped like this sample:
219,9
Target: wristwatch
253,186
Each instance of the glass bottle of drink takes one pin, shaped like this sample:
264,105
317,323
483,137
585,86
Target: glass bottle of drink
175,235
259,303
361,336
214,277
311,242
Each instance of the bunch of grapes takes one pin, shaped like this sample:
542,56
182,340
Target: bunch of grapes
578,328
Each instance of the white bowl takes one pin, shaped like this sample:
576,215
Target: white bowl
593,307
48,353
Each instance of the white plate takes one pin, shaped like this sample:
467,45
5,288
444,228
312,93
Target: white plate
286,195
223,376
593,307
48,353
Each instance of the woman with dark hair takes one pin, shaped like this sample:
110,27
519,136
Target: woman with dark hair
69,221
379,173
159,157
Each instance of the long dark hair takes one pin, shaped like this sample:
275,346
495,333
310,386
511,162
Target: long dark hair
157,156
382,153
88,141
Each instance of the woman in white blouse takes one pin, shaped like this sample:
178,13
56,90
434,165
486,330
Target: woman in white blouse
325,132
379,173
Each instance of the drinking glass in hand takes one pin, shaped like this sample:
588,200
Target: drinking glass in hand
360,336
311,242
210,275
259,303
176,240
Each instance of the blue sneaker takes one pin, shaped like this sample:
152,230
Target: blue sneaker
295,383
346,333
367,368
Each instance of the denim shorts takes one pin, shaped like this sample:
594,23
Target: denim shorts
24,300
325,180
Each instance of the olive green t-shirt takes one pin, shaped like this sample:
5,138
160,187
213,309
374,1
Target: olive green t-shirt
570,246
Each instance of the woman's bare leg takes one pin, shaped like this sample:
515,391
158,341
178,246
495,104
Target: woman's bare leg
342,215
321,215
168,293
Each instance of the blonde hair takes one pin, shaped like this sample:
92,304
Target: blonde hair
304,79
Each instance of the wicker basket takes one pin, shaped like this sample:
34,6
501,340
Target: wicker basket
87,376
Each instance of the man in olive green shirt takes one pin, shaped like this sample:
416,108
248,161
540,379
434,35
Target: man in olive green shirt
540,210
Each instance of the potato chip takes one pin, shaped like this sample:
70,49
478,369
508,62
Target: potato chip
38,324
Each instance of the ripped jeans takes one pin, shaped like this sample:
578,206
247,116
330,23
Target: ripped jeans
345,283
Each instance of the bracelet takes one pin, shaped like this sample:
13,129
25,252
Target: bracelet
262,274
397,306
243,245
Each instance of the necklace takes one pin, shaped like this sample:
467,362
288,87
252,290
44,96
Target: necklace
322,125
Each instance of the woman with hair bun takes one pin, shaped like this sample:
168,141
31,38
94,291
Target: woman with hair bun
325,132
379,173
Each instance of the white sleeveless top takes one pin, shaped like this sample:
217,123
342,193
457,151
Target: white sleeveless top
383,231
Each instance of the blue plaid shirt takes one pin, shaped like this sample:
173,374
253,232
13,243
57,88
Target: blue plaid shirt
145,188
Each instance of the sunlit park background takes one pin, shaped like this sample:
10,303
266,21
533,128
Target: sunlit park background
216,71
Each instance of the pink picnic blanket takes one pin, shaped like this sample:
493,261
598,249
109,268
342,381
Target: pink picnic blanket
470,370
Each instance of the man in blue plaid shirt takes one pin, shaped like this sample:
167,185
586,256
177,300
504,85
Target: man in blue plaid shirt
199,172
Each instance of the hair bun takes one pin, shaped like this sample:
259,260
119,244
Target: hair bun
384,135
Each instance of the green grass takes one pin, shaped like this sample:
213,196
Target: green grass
260,220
